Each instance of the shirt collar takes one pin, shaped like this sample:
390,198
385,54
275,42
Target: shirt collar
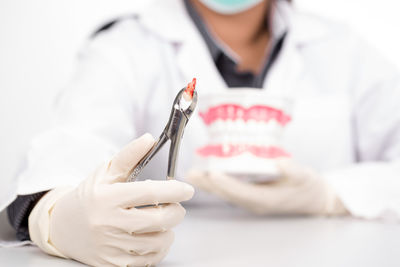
278,24
169,19
280,19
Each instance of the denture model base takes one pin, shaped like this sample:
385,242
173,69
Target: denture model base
242,140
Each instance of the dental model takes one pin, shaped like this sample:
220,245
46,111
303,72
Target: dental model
243,136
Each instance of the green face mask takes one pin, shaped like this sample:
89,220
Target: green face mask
230,6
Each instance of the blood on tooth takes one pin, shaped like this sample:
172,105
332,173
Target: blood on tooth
188,95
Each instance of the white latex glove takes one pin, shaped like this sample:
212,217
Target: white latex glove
299,190
97,222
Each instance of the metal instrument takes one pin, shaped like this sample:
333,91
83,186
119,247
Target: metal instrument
180,115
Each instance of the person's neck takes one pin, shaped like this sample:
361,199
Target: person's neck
246,33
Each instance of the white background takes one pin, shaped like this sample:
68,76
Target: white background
39,40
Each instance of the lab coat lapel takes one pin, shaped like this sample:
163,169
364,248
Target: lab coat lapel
289,70
194,60
169,20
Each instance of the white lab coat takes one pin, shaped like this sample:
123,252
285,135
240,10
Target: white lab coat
346,116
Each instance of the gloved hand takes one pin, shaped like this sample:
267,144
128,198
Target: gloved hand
97,222
299,190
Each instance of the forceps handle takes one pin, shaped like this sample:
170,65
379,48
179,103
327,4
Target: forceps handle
174,149
146,159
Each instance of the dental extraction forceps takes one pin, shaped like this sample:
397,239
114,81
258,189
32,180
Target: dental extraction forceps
180,115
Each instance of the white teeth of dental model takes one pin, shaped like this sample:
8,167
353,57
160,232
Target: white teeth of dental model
241,132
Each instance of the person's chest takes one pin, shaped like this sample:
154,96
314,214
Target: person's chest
319,135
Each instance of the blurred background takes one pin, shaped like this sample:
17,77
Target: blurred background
39,40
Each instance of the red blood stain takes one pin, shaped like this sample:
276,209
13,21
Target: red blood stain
191,87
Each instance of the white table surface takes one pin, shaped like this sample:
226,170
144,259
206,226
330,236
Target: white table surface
226,237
